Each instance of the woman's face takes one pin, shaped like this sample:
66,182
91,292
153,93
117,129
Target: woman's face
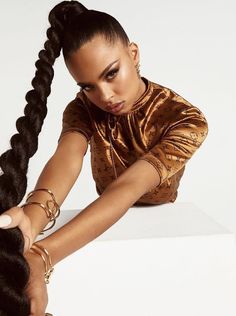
107,74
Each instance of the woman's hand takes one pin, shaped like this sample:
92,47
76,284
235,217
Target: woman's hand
37,288
15,216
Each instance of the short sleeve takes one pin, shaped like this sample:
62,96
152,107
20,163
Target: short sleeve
76,119
185,131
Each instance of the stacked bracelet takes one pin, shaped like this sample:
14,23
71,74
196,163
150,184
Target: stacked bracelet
46,258
51,208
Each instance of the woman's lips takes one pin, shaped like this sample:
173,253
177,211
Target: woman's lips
116,107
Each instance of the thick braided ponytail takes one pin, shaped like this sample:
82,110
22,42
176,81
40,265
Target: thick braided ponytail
14,269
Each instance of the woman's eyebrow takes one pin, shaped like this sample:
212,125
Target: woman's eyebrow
100,76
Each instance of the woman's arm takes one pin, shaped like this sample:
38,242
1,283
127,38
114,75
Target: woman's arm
58,175
101,214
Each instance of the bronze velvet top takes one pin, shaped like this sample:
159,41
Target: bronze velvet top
161,128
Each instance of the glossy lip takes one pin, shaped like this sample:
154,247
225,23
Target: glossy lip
119,106
113,106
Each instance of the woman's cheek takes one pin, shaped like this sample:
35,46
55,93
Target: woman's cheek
123,82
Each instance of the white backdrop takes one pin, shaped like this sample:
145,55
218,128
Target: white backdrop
188,46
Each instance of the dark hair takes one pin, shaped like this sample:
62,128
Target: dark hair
71,26
75,29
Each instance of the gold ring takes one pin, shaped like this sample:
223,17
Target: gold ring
48,314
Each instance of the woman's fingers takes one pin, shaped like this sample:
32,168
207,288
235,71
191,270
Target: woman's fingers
15,216
12,217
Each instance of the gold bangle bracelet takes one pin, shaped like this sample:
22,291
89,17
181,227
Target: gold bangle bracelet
45,251
48,212
47,209
51,209
41,189
49,215
42,256
55,210
39,204
48,262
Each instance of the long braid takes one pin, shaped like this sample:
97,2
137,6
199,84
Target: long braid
14,269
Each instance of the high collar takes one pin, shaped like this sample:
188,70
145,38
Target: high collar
143,98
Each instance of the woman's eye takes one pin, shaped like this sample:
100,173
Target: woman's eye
85,88
112,73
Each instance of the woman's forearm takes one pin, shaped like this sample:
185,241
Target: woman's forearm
58,175
89,223
102,213
53,177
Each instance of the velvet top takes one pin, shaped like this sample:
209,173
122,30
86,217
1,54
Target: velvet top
162,128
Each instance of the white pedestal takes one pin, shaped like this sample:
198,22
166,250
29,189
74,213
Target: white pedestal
165,260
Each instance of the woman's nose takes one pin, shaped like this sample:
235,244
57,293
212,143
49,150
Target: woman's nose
106,95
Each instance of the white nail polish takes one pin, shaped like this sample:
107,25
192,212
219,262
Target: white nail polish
5,220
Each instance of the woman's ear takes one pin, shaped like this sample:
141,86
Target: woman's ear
134,52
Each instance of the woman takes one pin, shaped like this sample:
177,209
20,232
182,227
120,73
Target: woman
141,135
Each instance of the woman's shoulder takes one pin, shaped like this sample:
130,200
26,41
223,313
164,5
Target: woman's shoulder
79,101
170,93
164,89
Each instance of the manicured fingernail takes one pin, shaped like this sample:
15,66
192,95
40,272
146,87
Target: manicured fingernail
5,220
